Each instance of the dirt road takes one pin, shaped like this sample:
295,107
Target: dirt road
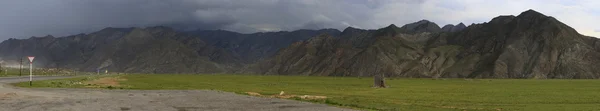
53,99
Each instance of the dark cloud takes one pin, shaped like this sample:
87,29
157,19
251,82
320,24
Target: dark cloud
65,17
25,18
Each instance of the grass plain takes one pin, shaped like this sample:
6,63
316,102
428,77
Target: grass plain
402,93
8,72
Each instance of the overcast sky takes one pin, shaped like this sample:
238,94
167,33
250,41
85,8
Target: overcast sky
26,18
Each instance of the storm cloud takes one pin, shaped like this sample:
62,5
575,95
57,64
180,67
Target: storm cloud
25,18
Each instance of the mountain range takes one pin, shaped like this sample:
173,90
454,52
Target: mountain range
529,45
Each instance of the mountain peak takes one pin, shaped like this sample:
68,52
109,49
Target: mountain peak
392,26
461,24
531,14
531,11
502,19
350,29
454,28
447,28
421,26
423,21
48,36
449,25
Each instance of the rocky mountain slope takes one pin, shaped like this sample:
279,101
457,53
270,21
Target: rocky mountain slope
250,48
530,45
152,50
453,28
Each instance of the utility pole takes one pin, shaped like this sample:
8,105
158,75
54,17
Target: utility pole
21,66
57,68
21,56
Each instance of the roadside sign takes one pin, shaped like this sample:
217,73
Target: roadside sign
30,69
30,58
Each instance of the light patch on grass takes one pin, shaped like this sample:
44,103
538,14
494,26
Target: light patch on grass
7,95
105,82
288,96
95,81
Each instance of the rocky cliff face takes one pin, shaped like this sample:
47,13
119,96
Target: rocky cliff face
530,45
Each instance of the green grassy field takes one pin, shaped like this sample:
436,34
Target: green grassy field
6,72
402,94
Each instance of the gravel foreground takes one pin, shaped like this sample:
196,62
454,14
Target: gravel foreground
64,99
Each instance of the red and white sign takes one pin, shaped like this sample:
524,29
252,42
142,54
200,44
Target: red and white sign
30,59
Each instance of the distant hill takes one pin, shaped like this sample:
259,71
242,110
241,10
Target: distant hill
530,45
153,49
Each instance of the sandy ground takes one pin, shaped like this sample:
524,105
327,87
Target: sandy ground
63,99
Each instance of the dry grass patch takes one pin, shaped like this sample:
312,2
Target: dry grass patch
286,96
11,94
105,82
7,95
